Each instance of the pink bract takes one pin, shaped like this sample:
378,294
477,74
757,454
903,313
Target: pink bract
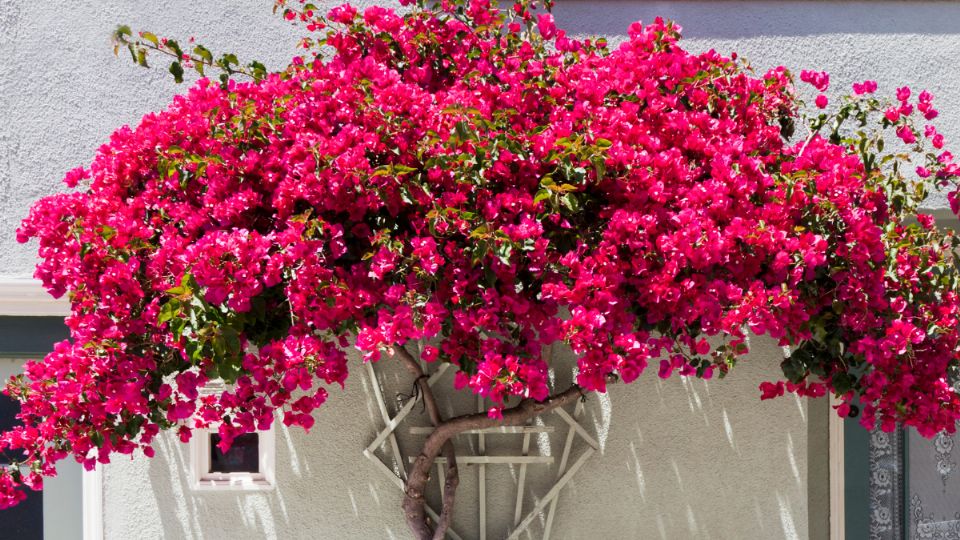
492,187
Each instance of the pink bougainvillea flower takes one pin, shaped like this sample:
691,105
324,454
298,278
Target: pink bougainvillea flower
546,25
819,79
444,180
906,134
771,390
866,87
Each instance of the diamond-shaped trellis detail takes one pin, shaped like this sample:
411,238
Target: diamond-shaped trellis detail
520,521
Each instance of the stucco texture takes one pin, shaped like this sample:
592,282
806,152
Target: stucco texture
679,459
62,92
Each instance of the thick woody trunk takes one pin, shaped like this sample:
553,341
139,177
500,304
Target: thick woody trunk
415,512
449,492
441,441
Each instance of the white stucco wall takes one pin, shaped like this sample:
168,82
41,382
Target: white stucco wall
680,460
62,91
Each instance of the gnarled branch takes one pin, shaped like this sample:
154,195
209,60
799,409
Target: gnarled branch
416,511
441,441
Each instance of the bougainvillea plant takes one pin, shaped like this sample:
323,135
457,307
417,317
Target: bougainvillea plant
467,184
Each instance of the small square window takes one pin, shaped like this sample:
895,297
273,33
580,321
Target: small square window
249,464
243,455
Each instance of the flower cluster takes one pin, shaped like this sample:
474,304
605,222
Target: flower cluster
474,180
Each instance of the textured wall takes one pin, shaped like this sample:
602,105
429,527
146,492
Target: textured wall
62,92
679,460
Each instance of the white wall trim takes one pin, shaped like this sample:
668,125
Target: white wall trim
93,504
27,298
837,513
201,479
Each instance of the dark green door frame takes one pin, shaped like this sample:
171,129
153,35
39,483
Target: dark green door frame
30,337
856,481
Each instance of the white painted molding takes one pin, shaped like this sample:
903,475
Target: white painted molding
837,509
93,504
203,480
28,298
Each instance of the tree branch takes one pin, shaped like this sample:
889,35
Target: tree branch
441,440
415,511
200,57
437,441
449,491
414,368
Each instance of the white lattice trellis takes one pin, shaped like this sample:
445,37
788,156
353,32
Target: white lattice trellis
520,521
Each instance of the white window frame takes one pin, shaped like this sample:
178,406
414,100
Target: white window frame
93,503
201,479
27,298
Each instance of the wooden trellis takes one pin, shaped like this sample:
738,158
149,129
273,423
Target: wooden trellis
520,521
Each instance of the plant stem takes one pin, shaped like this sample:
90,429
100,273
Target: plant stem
440,440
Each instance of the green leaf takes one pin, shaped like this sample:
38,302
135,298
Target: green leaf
151,37
258,69
842,382
194,350
203,53
479,232
229,370
177,326
542,195
571,202
186,286
599,166
175,48
793,369
168,311
132,426
462,129
232,339
227,60
177,71
212,372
